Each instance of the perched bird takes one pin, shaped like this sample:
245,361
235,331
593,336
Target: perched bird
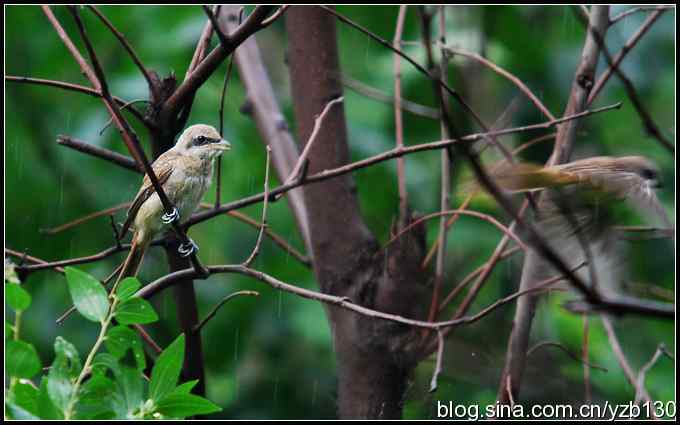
185,173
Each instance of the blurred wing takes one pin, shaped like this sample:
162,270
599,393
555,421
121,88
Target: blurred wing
643,198
163,170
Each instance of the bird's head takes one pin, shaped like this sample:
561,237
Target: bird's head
644,168
202,140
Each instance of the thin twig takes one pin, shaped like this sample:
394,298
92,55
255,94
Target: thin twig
445,183
509,76
318,122
442,84
205,68
481,216
627,47
224,300
467,279
103,153
398,119
629,12
566,351
640,392
661,349
218,164
439,361
263,226
585,354
278,240
343,302
127,47
122,108
276,15
375,94
76,88
646,118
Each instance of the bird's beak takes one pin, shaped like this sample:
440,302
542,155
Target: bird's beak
223,145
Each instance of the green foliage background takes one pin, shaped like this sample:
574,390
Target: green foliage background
271,356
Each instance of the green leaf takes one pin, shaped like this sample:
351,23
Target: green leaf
98,399
131,382
136,310
59,385
63,372
25,397
9,330
127,288
183,405
89,296
46,408
21,359
17,297
120,339
16,412
68,351
185,388
166,371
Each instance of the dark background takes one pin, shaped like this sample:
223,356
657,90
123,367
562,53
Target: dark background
271,356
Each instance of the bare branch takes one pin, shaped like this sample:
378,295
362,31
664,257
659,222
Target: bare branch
633,10
471,213
627,47
512,78
647,120
398,119
205,68
343,302
438,364
479,270
111,156
224,300
540,345
88,217
318,122
375,94
127,47
640,392
661,349
263,226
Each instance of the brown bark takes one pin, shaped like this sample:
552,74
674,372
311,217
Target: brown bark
374,357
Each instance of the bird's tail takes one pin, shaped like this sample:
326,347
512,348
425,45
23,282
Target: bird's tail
134,259
521,177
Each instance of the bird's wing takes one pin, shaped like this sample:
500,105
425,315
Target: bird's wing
163,170
643,198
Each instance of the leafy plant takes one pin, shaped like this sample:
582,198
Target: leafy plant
107,385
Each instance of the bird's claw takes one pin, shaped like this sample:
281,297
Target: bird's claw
186,249
169,218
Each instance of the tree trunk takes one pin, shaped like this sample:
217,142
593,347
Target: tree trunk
374,357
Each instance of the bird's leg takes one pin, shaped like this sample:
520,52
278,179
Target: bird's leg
186,249
169,218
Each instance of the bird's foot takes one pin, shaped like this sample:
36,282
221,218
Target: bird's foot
169,218
186,249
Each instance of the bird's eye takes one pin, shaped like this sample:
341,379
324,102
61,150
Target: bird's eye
648,174
200,140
